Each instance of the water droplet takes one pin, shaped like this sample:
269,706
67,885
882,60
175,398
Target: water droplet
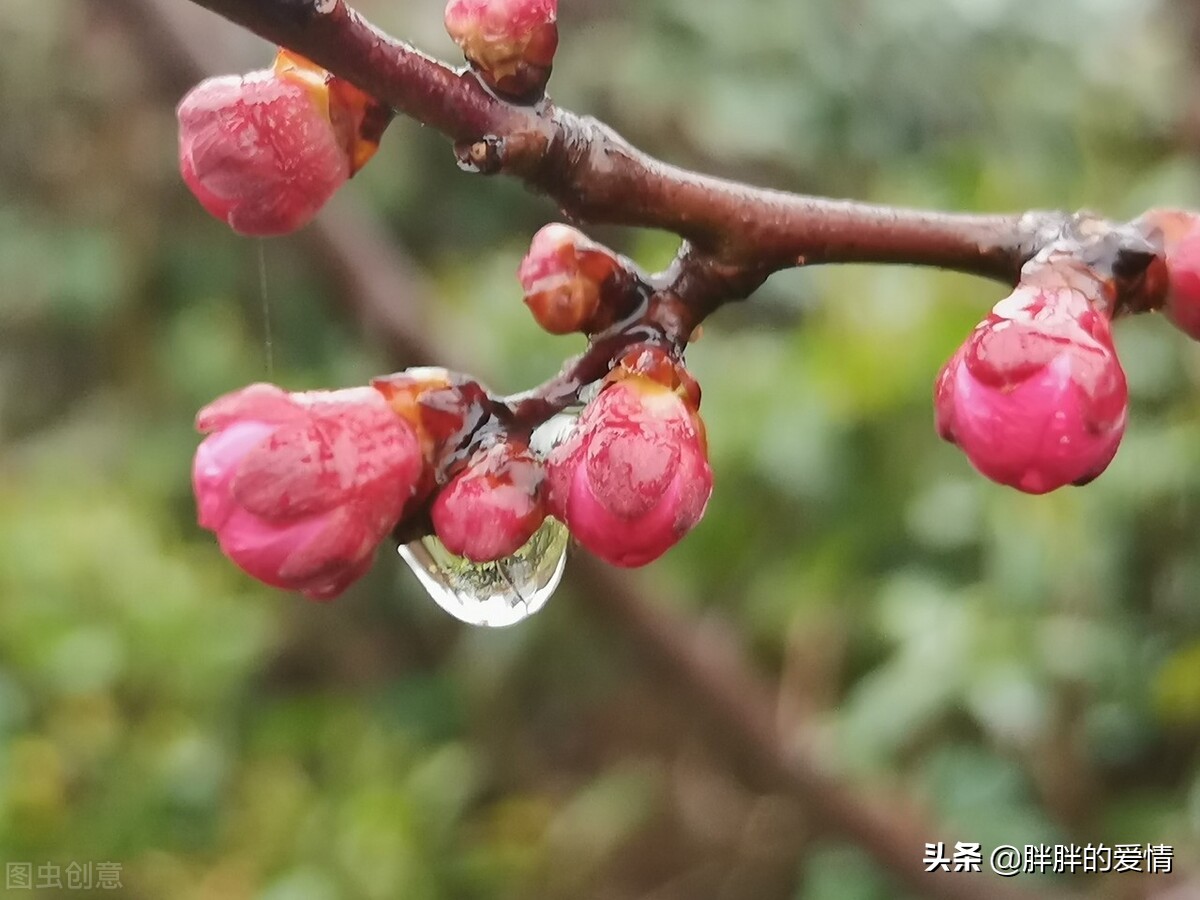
495,594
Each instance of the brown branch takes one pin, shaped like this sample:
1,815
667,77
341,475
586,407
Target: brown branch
705,665
735,235
596,176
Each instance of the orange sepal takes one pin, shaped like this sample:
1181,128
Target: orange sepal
358,118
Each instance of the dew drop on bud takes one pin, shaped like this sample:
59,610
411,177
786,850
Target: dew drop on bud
495,594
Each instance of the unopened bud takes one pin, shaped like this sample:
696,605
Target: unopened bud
564,275
263,152
510,43
1036,397
634,477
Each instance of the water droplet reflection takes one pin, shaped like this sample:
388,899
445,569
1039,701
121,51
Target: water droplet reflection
494,594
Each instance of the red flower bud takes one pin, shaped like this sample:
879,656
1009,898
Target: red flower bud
1036,397
263,152
634,476
491,508
1181,244
563,276
510,43
301,488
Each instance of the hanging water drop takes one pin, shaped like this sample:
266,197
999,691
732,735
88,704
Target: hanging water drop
495,594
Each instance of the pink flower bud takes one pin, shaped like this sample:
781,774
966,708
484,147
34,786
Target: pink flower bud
1036,397
510,43
563,277
1181,243
634,476
301,488
263,152
491,508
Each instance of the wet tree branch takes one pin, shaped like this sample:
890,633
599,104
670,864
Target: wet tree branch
595,176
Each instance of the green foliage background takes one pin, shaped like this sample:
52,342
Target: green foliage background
1028,668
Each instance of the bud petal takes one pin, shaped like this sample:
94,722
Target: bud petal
492,508
1036,397
510,43
301,488
634,477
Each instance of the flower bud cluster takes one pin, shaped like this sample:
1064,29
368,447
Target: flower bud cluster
300,489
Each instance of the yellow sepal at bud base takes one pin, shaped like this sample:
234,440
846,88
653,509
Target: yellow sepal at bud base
443,406
404,389
657,365
358,118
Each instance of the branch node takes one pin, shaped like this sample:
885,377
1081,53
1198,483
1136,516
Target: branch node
482,157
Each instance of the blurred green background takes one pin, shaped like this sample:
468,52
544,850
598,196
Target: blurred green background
1027,668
